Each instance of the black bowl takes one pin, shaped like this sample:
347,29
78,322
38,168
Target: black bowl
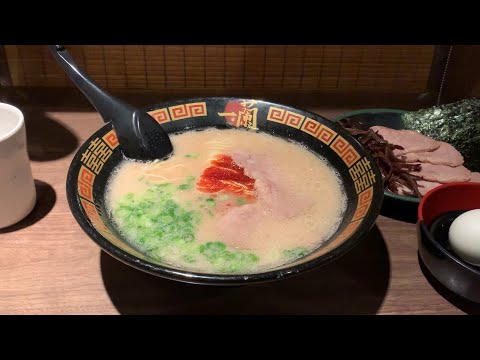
394,206
100,154
437,211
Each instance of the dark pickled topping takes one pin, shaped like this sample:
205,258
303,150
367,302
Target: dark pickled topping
395,171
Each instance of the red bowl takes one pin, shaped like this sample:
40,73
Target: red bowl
436,212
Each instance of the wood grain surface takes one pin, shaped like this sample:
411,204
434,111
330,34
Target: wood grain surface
48,265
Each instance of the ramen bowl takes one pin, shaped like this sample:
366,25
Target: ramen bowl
100,154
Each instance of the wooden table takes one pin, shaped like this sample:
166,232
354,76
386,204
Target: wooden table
49,266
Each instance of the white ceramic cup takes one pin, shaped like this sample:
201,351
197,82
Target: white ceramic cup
17,188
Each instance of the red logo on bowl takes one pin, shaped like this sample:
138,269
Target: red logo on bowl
241,113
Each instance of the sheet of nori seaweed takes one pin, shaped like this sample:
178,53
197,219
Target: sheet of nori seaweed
456,123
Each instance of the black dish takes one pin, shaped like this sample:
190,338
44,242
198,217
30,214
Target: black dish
437,211
100,154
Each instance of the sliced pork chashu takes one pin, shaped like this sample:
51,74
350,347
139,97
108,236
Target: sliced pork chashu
425,186
442,173
411,141
475,177
446,154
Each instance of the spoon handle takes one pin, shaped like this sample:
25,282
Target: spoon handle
105,104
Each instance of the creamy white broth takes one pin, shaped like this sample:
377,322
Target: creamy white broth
297,203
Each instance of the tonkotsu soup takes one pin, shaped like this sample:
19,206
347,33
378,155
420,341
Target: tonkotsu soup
227,201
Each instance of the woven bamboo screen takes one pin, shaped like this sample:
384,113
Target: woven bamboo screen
399,68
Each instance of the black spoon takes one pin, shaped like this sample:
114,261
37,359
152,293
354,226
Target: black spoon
139,135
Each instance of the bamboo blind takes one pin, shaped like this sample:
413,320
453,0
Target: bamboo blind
392,68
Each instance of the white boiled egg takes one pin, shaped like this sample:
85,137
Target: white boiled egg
464,236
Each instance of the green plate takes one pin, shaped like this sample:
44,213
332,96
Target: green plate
395,206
